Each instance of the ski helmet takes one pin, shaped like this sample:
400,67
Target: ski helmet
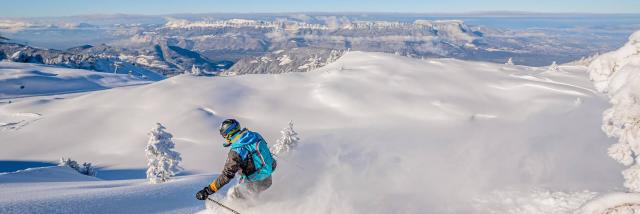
228,128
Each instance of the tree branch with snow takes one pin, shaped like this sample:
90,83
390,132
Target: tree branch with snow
287,142
617,74
163,161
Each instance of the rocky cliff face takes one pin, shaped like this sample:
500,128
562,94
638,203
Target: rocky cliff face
291,46
420,38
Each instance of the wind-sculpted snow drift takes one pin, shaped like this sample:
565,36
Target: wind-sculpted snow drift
380,134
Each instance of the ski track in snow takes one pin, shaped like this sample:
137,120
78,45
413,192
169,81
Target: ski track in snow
547,80
16,121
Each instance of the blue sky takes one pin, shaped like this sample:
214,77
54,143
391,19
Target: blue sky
20,8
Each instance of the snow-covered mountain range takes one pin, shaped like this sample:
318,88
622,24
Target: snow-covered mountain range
359,35
225,38
154,62
74,59
284,61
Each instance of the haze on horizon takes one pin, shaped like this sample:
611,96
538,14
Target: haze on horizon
157,7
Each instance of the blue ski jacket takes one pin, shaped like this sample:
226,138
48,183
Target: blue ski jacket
249,155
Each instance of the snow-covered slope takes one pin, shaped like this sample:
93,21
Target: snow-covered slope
62,190
380,134
45,174
26,79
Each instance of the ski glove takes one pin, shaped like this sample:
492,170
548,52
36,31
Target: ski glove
204,193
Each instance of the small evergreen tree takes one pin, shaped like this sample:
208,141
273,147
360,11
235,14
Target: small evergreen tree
509,61
313,63
195,70
68,162
85,169
334,55
116,66
162,160
554,67
287,142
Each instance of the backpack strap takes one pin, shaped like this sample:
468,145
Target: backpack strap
250,154
260,154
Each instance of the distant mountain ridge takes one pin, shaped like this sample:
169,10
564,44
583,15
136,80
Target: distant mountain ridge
420,38
284,61
172,44
258,46
161,59
101,63
162,56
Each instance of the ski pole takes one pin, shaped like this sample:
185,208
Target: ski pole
223,206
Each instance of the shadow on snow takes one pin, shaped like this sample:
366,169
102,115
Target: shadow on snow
15,165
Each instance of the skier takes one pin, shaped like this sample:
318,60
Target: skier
250,156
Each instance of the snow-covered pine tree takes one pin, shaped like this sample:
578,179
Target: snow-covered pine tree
116,65
162,160
509,61
554,67
195,71
85,169
616,75
334,55
585,60
313,63
68,162
287,142
622,121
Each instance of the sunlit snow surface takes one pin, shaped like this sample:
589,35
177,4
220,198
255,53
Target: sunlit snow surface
25,79
380,134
